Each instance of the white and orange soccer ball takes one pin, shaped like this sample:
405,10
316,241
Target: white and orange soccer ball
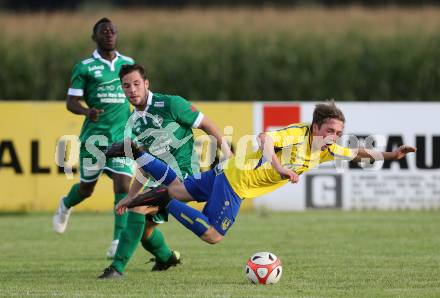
264,268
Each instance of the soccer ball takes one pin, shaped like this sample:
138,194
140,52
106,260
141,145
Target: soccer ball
264,268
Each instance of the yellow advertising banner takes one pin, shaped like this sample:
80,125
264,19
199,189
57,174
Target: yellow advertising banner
30,179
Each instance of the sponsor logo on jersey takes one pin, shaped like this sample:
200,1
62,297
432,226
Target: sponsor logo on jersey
112,100
98,74
159,104
96,67
106,88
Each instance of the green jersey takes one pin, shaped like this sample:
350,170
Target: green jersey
165,130
97,81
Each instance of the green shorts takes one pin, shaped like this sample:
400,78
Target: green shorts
90,168
158,218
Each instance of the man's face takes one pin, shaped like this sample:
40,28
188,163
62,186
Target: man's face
106,36
135,88
329,131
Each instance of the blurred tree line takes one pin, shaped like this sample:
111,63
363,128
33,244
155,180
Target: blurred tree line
25,5
352,61
245,67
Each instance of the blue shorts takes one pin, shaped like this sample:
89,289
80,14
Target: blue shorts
222,203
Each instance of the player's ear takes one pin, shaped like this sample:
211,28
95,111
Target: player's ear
147,84
93,37
314,127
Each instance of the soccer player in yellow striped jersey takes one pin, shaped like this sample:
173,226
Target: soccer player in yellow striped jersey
282,157
252,176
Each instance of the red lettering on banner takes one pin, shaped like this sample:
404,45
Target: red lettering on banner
275,116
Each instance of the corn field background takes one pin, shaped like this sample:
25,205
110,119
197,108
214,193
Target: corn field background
237,54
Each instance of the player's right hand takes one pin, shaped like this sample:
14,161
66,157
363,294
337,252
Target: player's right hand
289,174
93,114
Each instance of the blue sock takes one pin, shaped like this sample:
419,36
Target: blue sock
191,218
160,171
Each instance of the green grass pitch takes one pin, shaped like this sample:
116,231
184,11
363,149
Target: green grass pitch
324,254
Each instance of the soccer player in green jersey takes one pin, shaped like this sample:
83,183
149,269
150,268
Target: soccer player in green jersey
95,80
162,124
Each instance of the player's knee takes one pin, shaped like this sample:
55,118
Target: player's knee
177,190
174,192
85,191
213,240
212,236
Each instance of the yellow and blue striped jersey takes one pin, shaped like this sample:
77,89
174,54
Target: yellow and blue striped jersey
250,175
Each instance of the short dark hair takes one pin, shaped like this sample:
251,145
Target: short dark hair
326,111
101,21
127,68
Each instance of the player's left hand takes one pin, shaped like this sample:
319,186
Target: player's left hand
121,207
404,150
288,174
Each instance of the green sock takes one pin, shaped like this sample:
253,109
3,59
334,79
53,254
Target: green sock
156,245
130,238
120,220
73,198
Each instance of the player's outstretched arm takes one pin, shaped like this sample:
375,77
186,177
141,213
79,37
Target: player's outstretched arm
397,154
209,127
